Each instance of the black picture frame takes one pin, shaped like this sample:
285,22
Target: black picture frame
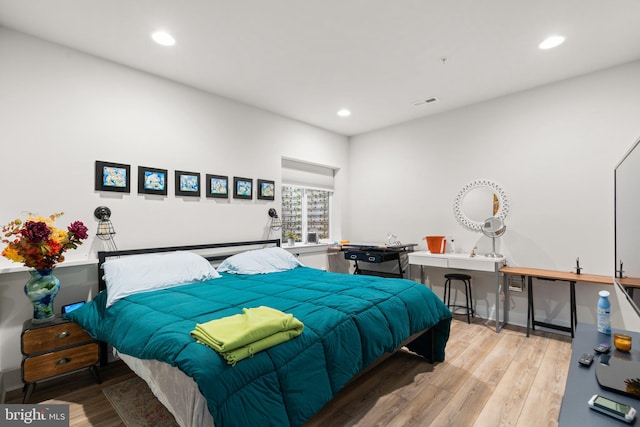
266,189
242,188
152,181
187,183
217,186
111,176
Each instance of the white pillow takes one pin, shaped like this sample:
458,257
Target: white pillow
260,261
141,273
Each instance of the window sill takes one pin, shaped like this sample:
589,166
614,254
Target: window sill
306,247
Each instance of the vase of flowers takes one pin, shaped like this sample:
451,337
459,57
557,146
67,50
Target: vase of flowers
291,237
39,245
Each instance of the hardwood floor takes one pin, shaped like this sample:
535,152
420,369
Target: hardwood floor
88,406
488,379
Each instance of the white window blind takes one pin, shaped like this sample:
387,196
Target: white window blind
309,175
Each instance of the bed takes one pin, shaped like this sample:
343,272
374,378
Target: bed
350,323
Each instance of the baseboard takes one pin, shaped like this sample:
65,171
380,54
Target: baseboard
11,380
3,393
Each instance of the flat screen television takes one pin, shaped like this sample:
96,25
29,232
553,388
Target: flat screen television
627,238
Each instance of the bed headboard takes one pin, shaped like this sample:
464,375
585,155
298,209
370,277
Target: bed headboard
218,255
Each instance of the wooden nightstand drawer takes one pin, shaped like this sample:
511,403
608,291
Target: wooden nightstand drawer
48,365
52,337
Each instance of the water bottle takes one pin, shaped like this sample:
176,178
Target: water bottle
604,313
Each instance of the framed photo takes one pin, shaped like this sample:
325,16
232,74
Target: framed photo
113,177
152,181
187,183
266,189
217,186
242,188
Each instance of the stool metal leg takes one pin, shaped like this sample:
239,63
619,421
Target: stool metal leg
444,297
466,302
447,286
470,299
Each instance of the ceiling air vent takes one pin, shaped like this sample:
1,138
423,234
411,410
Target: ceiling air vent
420,102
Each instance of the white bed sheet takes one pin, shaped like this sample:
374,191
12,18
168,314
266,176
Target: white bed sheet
174,389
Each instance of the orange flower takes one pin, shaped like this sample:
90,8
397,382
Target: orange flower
53,247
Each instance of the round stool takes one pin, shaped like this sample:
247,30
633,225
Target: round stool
466,280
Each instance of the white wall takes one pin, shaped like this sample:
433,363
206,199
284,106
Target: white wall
62,110
552,149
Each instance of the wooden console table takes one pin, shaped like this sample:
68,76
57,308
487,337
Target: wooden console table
552,275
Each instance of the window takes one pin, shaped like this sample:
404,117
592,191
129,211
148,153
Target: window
304,210
306,193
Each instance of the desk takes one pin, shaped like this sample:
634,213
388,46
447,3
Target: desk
552,275
464,262
582,384
376,254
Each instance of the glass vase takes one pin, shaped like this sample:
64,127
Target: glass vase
41,289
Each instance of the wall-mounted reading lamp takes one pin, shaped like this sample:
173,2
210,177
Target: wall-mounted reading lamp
276,224
105,227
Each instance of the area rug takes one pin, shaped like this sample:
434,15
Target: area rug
137,405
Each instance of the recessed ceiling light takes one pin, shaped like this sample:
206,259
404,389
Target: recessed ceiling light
551,42
163,38
344,113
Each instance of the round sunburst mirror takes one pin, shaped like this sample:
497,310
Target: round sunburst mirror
479,200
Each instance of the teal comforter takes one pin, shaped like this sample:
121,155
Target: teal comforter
350,321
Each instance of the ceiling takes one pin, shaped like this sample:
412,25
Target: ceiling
306,59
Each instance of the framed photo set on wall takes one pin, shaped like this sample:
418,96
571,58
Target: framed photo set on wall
152,181
113,177
217,186
242,188
188,184
266,189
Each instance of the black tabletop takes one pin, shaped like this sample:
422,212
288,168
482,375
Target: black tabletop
582,382
378,247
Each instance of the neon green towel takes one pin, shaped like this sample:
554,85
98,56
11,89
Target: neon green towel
242,335
234,356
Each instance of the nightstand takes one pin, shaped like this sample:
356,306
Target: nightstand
55,348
